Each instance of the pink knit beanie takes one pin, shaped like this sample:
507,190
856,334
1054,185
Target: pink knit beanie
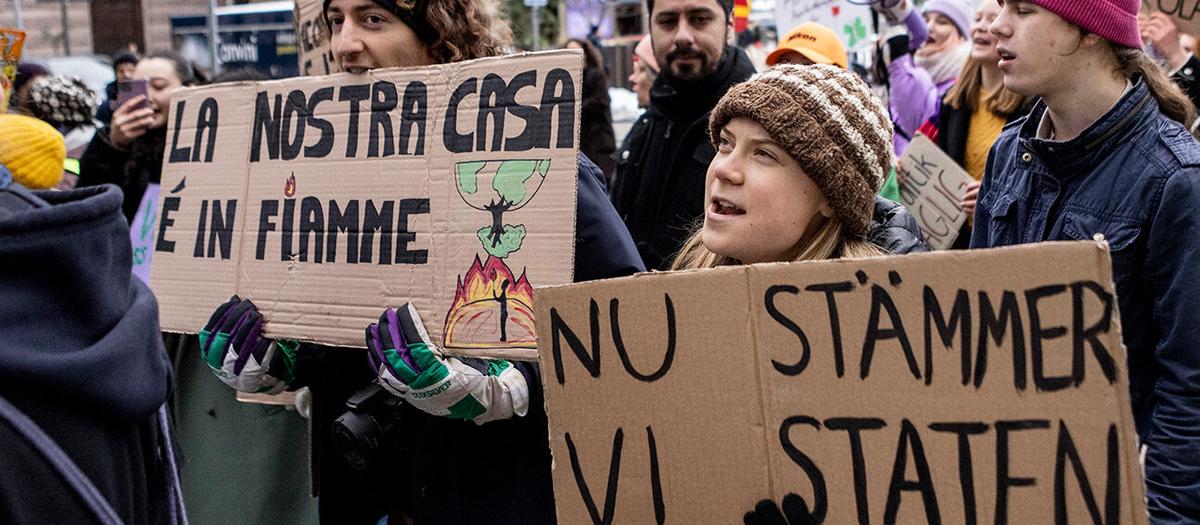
1114,20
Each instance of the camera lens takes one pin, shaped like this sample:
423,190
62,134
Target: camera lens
358,437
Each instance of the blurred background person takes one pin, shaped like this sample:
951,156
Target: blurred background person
1165,44
921,59
129,151
124,63
27,72
975,110
645,70
810,43
596,138
67,104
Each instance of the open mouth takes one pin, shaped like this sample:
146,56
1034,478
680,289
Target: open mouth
1005,54
355,69
724,207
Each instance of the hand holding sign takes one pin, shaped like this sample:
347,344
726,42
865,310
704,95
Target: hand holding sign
412,367
794,512
231,344
1181,12
1163,35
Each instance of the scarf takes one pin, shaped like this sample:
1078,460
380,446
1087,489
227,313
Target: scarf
945,65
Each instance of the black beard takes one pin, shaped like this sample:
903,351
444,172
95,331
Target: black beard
688,73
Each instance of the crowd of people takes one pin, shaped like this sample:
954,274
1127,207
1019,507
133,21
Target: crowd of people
1076,120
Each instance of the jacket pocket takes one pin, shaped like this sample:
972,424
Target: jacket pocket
1002,228
1121,234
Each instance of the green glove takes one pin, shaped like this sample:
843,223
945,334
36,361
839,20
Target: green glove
232,347
412,367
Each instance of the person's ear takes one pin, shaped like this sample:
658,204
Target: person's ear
825,209
1091,40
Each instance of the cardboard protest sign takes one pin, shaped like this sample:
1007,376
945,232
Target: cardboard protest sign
315,56
931,186
953,387
327,199
141,232
1186,13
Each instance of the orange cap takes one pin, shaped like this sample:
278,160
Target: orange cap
815,41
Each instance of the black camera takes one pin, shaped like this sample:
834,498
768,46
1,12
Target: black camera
372,428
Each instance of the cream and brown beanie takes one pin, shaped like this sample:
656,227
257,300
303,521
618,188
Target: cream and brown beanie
829,121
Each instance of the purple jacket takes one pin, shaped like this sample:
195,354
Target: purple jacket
913,99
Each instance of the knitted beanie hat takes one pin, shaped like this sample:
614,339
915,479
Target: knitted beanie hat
960,13
829,121
65,100
32,150
1114,20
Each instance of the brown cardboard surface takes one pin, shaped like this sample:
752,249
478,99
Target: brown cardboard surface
752,402
931,187
315,56
1186,13
285,399
259,217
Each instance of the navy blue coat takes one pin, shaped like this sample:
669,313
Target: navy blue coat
1133,177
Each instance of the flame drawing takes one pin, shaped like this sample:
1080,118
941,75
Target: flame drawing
492,308
289,188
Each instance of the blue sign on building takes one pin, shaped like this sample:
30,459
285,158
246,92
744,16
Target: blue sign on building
260,36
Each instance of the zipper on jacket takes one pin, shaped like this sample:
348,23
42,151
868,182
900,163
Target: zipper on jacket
670,123
1120,124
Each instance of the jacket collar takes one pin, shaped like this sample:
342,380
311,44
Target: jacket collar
692,100
1135,109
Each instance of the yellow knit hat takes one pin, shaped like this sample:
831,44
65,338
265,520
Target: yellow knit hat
32,150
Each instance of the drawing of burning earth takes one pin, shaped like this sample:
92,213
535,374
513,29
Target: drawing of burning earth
492,307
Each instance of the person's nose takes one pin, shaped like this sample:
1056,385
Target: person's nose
346,42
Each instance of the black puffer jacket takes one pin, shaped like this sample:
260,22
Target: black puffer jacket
894,229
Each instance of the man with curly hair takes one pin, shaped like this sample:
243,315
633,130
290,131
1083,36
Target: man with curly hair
438,469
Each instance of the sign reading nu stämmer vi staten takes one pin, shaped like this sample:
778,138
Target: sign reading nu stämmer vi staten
950,387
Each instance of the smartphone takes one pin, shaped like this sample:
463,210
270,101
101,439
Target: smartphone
127,89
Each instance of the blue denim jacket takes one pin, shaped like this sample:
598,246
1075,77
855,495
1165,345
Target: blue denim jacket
1133,177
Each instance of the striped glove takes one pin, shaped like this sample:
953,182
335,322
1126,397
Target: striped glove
232,347
413,368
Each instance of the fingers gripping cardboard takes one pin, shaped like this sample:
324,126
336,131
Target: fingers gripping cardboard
328,199
963,387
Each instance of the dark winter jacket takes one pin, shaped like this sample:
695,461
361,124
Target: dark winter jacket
1133,178
131,170
1187,79
81,355
894,229
659,189
461,472
596,137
